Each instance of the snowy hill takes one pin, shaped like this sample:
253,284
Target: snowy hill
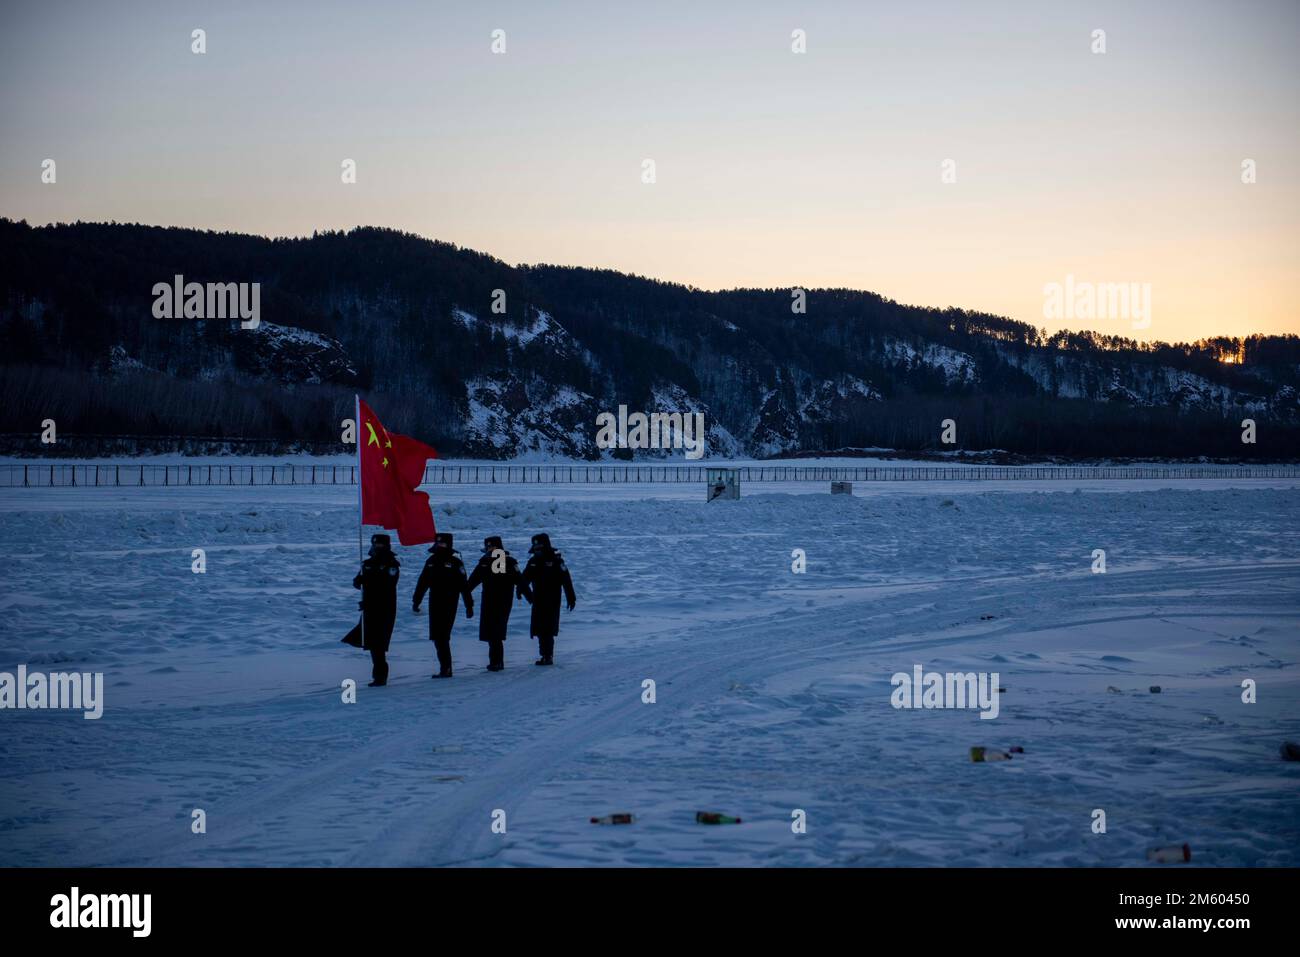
488,360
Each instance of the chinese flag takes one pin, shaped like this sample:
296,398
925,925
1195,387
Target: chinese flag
392,467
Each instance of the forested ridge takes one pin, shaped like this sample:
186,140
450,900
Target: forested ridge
408,322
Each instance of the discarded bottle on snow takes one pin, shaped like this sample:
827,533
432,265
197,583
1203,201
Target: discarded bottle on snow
614,819
980,755
710,817
1173,854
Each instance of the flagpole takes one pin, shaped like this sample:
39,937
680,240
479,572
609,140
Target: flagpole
356,432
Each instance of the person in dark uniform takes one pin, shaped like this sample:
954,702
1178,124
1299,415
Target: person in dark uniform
378,584
443,578
498,573
545,576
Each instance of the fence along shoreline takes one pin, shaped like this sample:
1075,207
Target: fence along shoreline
153,476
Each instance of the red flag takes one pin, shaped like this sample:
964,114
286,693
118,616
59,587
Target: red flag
392,467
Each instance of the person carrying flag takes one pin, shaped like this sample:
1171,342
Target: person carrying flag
390,468
378,583
443,579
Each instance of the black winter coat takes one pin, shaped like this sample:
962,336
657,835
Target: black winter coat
497,600
378,584
546,575
443,578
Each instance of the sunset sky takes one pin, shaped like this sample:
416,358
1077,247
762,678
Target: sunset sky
772,168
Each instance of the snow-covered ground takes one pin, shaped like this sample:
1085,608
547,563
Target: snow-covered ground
773,688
